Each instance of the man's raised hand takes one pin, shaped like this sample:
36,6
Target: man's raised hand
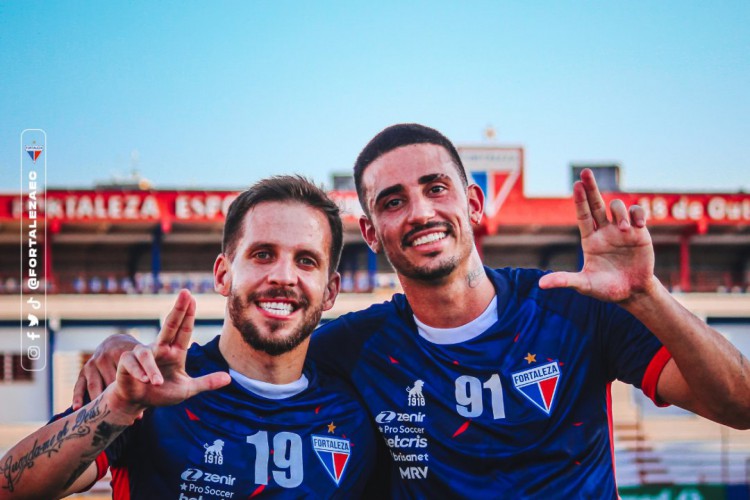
618,253
155,375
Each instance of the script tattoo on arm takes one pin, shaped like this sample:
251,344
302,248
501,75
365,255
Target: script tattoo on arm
87,419
104,434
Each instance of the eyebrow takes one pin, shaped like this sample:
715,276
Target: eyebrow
426,179
397,188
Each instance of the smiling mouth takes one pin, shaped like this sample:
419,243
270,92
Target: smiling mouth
277,308
429,238
440,230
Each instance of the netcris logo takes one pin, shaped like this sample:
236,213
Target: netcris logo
385,417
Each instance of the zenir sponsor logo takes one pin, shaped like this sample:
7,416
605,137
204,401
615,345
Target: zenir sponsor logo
192,474
386,417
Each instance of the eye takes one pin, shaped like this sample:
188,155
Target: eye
262,255
393,203
437,189
308,262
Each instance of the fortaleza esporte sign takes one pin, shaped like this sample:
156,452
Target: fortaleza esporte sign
143,206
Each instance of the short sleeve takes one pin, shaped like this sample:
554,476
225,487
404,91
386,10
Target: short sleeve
631,352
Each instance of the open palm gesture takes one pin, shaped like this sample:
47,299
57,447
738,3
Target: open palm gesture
618,253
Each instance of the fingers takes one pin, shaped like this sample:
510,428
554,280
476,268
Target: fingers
637,216
594,197
575,281
586,223
96,374
209,382
140,364
145,357
79,391
94,382
620,216
129,364
107,370
592,213
175,322
185,332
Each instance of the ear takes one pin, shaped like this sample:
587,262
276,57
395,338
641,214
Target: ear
368,233
332,291
476,203
222,275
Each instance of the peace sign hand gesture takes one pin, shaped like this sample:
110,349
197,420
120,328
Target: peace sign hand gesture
618,253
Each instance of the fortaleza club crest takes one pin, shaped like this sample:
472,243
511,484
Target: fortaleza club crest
34,151
538,384
333,454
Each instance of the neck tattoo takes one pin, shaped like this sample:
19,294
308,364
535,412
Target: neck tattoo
474,277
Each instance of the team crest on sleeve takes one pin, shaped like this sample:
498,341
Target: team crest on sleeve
333,454
538,384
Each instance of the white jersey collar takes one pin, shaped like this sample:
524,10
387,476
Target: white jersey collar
270,391
474,328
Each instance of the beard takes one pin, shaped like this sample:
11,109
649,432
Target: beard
427,273
268,343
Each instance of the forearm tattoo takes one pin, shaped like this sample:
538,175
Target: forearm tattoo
87,421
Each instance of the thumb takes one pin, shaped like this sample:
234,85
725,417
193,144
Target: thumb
563,280
209,382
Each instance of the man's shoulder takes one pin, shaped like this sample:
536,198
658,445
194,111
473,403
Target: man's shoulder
526,277
519,281
522,284
368,319
205,358
336,345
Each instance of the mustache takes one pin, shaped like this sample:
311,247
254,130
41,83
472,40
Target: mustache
430,225
279,293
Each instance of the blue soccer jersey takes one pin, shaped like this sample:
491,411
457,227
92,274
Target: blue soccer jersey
520,410
233,444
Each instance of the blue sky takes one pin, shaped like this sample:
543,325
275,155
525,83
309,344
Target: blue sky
220,94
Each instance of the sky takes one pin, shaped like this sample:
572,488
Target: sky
220,94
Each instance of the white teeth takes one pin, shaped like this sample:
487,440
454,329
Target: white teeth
279,308
428,239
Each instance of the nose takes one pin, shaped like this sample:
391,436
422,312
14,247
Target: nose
421,210
283,272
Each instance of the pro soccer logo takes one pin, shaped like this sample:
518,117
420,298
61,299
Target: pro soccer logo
539,384
333,454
